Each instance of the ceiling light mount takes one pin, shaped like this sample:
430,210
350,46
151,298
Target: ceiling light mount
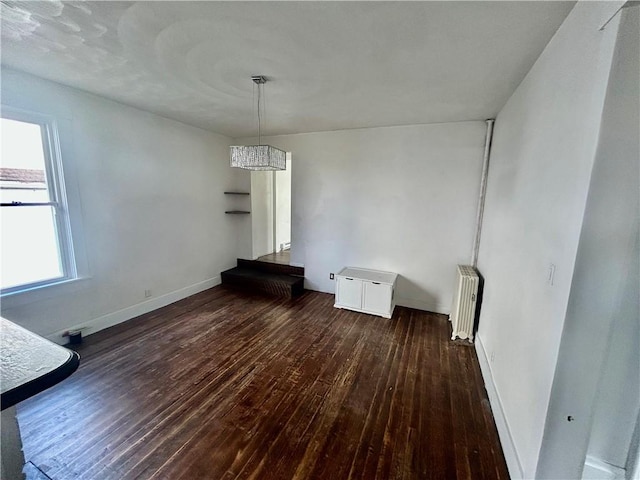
258,157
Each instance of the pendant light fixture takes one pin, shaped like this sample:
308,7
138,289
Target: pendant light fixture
258,157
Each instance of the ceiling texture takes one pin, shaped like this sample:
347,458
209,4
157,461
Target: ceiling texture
330,65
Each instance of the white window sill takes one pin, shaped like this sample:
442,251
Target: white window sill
38,293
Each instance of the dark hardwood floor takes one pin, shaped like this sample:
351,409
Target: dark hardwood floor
225,385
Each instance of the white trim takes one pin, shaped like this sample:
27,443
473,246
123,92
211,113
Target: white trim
41,292
504,432
594,468
69,239
114,318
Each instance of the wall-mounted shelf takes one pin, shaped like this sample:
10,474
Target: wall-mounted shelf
236,205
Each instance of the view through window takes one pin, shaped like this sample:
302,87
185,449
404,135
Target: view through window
32,215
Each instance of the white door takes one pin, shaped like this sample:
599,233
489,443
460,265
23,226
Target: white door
377,297
349,292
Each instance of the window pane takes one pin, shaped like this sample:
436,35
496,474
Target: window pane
29,246
22,172
30,242
22,145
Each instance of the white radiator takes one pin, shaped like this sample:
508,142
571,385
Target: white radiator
463,310
285,246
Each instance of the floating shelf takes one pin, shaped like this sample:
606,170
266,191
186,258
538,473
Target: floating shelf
237,212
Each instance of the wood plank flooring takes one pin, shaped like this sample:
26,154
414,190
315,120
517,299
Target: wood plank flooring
282,257
226,385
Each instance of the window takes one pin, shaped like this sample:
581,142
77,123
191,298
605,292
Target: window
36,246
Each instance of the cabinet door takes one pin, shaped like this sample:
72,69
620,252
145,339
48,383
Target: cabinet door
349,292
377,298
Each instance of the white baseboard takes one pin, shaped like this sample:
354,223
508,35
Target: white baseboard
504,432
114,318
596,469
421,305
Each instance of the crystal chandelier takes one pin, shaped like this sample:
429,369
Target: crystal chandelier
258,157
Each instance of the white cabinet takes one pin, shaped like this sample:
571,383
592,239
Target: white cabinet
367,291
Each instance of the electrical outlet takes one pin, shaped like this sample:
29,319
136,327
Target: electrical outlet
331,276
147,294
492,357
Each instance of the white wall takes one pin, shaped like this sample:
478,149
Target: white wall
148,198
619,391
543,151
401,199
603,311
632,466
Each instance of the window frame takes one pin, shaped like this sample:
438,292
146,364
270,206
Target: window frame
54,174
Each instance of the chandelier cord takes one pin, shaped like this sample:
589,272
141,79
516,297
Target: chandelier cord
258,157
259,130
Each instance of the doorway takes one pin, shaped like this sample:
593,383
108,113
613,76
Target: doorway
271,215
282,210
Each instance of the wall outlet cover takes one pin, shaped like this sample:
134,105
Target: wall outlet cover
331,276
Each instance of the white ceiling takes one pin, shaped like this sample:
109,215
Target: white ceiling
331,65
